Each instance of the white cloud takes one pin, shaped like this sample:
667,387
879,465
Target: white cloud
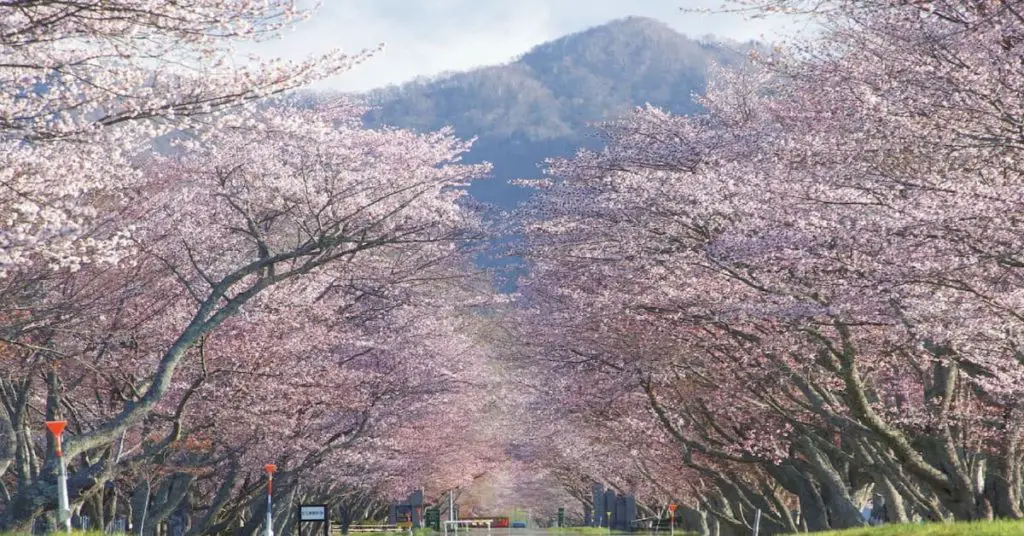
426,37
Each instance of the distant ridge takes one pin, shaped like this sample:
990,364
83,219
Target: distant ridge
540,104
552,92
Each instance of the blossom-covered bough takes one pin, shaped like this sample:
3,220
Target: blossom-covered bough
814,284
84,84
275,284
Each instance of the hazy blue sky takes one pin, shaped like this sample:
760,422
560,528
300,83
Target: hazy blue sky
427,37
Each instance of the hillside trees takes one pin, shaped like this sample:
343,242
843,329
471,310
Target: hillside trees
814,284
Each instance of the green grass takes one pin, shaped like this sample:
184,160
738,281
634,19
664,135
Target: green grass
73,532
596,531
402,532
981,528
583,531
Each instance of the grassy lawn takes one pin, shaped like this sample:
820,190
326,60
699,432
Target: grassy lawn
73,532
582,531
983,528
595,531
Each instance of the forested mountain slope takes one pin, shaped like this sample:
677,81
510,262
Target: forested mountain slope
540,104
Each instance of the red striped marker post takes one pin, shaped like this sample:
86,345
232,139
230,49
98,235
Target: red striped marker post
268,529
63,509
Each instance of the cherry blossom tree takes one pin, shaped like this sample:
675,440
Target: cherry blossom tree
815,278
267,224
85,84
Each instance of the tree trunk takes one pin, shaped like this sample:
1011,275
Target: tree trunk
1003,481
140,507
895,509
834,492
813,514
213,511
168,498
694,520
109,505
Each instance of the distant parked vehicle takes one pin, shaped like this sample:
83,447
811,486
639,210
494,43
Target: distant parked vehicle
519,524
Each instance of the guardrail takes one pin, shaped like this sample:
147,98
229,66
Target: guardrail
468,523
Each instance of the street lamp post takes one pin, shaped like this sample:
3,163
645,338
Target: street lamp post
270,469
63,509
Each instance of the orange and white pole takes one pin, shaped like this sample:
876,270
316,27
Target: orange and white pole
63,509
268,529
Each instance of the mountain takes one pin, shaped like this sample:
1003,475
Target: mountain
540,104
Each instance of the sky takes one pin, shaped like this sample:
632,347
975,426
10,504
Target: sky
428,37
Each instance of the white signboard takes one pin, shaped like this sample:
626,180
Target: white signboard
312,513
